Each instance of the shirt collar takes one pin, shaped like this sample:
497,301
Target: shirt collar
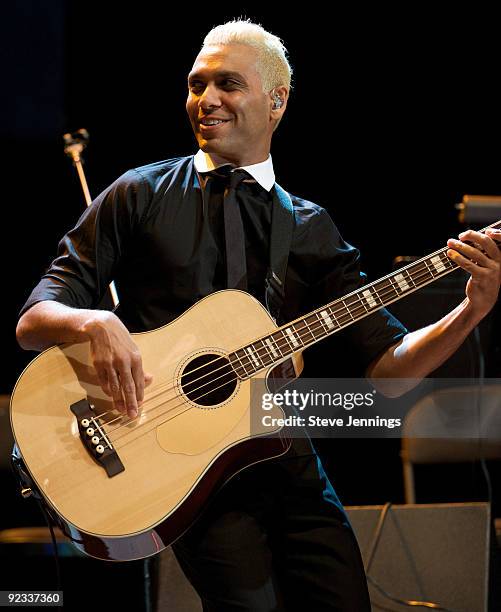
263,172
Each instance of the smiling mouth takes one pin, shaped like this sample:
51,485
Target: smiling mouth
210,124
212,121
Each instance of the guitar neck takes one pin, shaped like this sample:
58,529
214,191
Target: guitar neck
303,332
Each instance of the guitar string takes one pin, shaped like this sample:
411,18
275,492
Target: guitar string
450,266
446,262
143,433
283,341
343,309
285,344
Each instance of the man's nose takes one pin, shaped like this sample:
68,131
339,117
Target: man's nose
210,97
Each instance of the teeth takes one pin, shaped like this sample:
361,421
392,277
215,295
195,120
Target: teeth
212,121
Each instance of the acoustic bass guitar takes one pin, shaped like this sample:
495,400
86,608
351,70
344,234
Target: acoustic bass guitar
124,489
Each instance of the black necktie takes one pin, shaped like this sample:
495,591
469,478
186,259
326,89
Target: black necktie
236,265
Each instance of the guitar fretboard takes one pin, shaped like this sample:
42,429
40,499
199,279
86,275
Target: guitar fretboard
325,321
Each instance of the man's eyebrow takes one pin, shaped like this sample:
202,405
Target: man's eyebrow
227,74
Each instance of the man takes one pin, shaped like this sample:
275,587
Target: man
275,537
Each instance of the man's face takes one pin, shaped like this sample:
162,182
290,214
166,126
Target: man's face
228,110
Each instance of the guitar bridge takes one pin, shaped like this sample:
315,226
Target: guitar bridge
95,440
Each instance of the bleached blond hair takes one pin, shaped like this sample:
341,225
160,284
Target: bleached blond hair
273,65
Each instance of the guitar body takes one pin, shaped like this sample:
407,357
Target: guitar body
174,456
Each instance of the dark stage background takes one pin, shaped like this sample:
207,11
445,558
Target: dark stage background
392,119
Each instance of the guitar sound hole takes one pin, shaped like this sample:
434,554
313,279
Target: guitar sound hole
208,380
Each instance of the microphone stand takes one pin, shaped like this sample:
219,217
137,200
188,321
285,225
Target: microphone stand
74,144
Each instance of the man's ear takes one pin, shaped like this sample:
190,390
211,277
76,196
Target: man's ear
278,103
278,98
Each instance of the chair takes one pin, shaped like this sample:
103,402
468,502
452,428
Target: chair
452,425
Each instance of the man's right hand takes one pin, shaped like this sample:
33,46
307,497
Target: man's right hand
117,361
115,356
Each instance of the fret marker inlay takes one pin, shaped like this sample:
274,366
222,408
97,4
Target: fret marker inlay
370,300
253,357
327,319
403,285
272,348
438,263
292,337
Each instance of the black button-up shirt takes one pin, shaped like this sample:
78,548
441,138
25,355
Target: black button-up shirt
156,232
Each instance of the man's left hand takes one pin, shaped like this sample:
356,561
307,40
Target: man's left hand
479,254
